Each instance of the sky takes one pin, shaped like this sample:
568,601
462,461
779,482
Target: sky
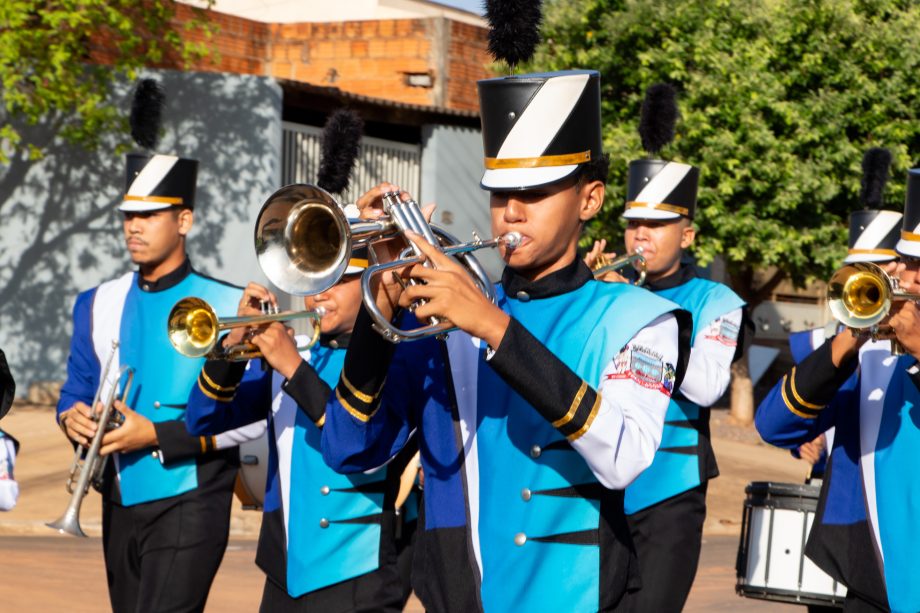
474,6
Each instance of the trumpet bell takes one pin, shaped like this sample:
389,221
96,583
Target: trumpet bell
859,295
303,239
193,327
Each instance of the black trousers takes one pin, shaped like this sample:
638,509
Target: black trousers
668,537
162,556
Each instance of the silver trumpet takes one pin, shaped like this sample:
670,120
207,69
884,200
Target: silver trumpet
304,241
88,468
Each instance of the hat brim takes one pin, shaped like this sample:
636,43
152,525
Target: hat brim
641,212
142,206
854,258
908,248
519,179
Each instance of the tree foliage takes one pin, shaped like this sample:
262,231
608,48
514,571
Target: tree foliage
778,99
58,59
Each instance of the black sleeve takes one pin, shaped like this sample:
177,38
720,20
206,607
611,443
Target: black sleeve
176,443
812,383
7,386
745,334
219,379
309,392
365,370
563,398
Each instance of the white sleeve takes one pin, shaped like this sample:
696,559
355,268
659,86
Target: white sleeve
709,369
634,391
249,432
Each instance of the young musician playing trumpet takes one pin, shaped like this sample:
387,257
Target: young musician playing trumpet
865,533
537,413
666,505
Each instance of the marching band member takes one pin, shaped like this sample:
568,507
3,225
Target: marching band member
543,407
328,541
666,504
865,533
166,498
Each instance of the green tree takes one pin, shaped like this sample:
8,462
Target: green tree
58,59
778,98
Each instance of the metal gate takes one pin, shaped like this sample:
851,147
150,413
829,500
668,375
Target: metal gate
378,160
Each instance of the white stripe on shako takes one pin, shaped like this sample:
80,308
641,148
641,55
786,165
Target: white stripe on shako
543,117
152,175
877,230
662,184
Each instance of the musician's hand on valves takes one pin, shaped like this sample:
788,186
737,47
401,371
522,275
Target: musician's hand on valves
277,345
905,321
135,432
78,424
597,254
450,293
254,295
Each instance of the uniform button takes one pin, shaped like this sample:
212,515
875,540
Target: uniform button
156,404
146,287
520,538
526,495
153,454
535,451
334,344
324,490
324,523
523,296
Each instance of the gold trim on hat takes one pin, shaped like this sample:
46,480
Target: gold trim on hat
671,208
890,252
362,263
158,199
910,236
543,161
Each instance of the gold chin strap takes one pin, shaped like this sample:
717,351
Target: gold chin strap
543,161
660,206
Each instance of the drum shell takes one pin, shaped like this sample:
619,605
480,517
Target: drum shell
772,565
253,476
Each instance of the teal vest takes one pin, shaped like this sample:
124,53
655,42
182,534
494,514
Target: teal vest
586,329
333,520
675,469
163,380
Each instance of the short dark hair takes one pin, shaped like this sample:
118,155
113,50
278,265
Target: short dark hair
596,170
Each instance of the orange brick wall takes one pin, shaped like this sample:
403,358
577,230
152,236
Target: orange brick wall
369,58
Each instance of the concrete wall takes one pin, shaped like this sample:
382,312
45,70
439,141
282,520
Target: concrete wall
451,170
60,233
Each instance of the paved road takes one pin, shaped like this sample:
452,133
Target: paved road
50,574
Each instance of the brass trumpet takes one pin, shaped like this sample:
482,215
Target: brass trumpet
860,295
304,241
194,329
88,466
603,265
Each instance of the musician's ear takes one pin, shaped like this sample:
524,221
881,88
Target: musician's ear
591,196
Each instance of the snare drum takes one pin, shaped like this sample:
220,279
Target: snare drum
250,482
771,555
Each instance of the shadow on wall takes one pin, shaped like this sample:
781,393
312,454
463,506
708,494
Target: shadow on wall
60,232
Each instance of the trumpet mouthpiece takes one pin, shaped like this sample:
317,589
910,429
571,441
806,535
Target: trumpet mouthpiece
320,312
511,240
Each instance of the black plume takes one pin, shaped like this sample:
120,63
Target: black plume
514,29
658,116
147,113
875,164
340,143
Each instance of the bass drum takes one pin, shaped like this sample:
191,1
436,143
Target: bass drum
771,555
251,480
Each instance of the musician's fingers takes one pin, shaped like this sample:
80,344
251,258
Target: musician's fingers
428,211
437,257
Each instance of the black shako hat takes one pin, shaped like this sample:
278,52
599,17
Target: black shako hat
909,244
661,190
158,181
874,231
539,128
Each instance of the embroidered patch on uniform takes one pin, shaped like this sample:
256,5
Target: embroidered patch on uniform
723,331
645,367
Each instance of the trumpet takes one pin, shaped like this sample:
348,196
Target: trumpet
88,468
304,241
194,329
860,296
603,265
